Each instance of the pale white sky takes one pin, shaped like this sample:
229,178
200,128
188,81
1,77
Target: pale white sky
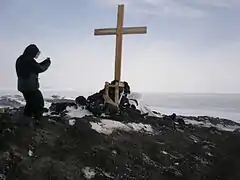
191,45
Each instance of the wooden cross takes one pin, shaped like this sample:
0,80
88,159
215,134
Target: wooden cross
119,32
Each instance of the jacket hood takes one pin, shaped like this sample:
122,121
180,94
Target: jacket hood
31,50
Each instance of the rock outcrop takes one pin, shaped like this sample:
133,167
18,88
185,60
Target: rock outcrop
127,144
95,104
57,150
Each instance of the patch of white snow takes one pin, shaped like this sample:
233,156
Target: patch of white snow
227,128
164,152
193,122
78,113
30,153
47,104
209,124
144,108
88,172
108,126
71,122
140,127
209,154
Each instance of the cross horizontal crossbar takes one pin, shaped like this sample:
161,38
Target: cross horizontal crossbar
126,30
114,85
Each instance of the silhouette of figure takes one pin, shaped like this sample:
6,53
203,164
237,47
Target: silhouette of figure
27,70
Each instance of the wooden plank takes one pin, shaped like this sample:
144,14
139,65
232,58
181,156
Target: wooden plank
119,32
135,30
126,30
118,56
114,85
105,31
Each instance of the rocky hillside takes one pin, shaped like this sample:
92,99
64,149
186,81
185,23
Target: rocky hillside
72,144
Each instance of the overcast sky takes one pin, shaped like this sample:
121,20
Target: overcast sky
191,45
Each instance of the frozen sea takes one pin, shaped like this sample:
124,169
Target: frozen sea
188,104
215,105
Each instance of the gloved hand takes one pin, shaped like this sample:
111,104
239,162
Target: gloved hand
46,62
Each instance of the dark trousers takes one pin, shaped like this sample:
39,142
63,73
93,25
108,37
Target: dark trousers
34,104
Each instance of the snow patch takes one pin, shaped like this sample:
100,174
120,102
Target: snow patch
30,153
209,154
78,113
47,104
170,155
143,108
164,152
227,128
208,124
107,127
88,172
140,127
71,122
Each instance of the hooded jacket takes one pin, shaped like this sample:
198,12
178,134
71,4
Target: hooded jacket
27,69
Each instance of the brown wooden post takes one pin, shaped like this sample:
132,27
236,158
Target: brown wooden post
119,39
119,32
118,55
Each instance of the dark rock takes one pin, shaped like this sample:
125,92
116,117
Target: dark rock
56,97
180,121
237,132
174,121
95,103
124,102
60,107
155,112
173,117
81,101
110,109
45,110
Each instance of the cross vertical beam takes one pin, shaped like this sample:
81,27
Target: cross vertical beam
119,40
119,32
118,53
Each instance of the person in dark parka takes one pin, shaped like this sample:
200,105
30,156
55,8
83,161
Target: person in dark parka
27,70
